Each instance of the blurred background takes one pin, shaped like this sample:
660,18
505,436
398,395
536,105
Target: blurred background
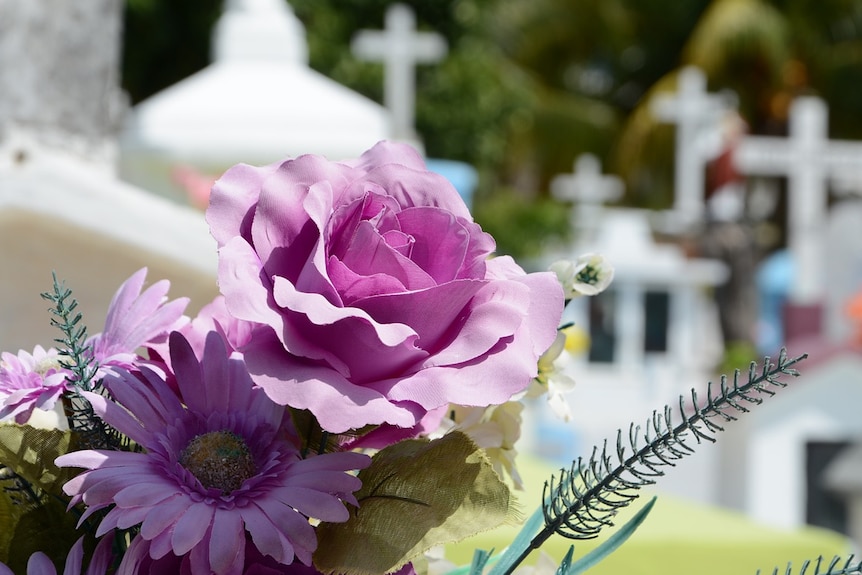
528,86
711,150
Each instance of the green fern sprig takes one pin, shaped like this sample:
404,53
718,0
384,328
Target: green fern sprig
73,345
835,567
586,497
92,432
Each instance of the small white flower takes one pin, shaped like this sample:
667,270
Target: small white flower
589,275
545,565
552,381
495,429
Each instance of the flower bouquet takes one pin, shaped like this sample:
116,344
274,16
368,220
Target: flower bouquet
349,402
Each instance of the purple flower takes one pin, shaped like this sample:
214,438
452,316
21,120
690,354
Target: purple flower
378,290
215,317
30,381
39,564
136,319
220,460
137,561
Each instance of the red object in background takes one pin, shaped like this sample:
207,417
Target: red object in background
802,321
854,312
196,185
721,171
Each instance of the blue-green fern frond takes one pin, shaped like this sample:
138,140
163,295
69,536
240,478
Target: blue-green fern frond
586,497
836,566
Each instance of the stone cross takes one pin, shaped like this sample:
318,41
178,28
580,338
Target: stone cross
588,188
400,47
809,160
696,114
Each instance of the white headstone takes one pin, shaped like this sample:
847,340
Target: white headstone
259,30
588,188
843,266
57,84
809,160
258,102
640,264
400,47
697,115
62,209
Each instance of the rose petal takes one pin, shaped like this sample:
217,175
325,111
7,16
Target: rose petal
369,254
338,404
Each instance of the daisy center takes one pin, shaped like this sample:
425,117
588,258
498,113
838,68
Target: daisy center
46,364
219,460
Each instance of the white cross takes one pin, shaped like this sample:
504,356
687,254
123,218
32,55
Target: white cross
697,115
400,47
808,159
588,188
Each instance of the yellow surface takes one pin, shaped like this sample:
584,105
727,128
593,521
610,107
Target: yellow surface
677,538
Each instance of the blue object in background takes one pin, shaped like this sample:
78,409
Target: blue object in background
462,175
773,280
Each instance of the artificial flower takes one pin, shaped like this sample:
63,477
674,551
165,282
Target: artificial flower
589,275
214,316
138,561
552,381
495,429
134,320
376,284
30,381
39,564
220,459
36,381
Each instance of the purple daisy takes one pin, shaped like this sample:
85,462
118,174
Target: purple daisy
30,381
137,561
220,460
39,564
136,319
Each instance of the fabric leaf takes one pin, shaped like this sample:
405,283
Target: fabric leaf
415,494
47,528
30,452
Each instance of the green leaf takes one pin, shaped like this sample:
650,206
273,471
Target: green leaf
480,559
618,538
415,494
520,543
566,563
47,528
10,514
30,452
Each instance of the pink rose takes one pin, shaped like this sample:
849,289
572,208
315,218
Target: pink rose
373,290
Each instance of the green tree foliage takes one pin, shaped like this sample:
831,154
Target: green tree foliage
164,42
528,86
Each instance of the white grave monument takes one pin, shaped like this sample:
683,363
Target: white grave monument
697,115
843,241
258,102
61,207
809,160
656,326
400,47
588,189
